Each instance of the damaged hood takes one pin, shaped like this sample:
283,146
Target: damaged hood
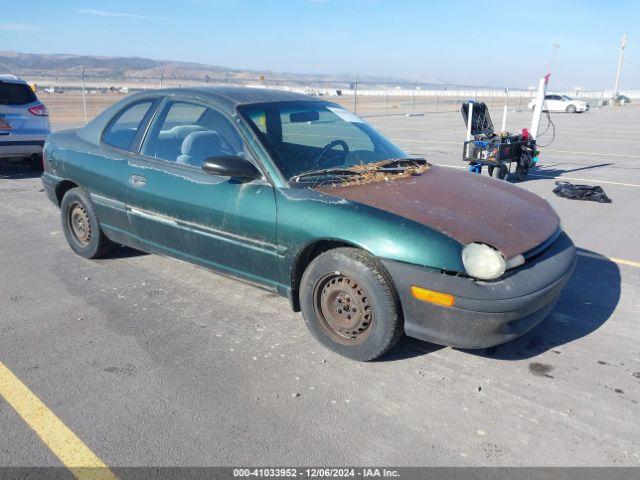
468,208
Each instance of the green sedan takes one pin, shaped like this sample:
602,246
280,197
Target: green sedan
299,196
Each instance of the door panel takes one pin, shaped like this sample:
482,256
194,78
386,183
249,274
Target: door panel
178,209
210,220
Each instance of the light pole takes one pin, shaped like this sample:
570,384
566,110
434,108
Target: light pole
355,95
84,99
623,43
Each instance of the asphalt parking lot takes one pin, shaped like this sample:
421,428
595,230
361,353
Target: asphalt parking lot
155,362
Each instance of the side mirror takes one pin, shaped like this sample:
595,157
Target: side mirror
231,166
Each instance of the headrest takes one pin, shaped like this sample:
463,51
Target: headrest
202,144
180,132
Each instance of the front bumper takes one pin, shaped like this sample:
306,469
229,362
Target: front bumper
485,313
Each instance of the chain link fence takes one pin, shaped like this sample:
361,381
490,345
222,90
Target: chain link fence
67,100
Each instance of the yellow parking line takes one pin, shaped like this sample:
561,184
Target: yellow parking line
64,444
620,261
550,177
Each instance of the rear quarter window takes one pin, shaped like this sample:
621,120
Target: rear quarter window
16,94
124,126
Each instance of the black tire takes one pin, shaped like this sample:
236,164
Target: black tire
521,173
491,169
499,172
35,162
367,288
81,226
571,109
523,166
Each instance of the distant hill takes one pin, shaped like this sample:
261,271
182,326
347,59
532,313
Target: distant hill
49,68
61,65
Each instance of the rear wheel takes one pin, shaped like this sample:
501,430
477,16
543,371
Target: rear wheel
81,226
349,304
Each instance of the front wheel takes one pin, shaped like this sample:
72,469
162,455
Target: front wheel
571,109
81,226
499,172
349,304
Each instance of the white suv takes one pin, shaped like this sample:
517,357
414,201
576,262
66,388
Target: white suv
24,122
562,103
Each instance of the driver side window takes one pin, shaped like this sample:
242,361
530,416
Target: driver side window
188,134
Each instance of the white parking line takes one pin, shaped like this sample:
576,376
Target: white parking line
570,152
429,131
424,141
589,180
600,154
561,177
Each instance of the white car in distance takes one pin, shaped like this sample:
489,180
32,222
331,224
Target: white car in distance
561,103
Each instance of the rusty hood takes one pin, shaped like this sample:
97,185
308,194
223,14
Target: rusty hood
466,207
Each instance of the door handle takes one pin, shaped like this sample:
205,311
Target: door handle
137,181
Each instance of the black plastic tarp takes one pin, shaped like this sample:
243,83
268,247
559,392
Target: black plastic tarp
581,192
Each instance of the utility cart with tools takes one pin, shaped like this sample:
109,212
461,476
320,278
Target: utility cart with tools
497,150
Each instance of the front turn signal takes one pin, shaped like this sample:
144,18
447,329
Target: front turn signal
432,296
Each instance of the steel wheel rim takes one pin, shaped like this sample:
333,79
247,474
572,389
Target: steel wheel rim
79,223
343,309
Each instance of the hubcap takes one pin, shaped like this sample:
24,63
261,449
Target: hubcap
79,223
343,309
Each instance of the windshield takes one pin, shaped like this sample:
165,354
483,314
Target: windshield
567,97
307,136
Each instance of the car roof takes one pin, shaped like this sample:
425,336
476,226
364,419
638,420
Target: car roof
228,98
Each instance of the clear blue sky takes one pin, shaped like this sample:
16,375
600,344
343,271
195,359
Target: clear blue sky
476,42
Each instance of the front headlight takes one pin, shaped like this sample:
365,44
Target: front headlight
483,262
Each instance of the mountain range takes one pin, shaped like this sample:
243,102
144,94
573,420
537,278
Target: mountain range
66,68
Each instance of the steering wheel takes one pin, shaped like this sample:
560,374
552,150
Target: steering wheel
329,146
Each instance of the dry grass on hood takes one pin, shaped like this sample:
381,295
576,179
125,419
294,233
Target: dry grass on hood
369,174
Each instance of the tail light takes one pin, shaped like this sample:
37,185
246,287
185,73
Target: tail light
40,110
